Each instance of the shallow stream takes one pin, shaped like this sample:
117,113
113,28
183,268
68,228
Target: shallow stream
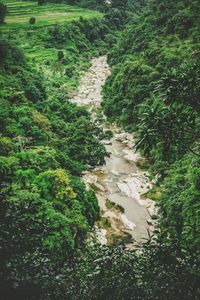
120,179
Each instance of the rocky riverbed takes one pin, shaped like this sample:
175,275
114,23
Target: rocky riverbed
120,185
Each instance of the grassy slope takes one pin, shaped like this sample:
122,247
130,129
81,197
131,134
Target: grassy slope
19,13
32,38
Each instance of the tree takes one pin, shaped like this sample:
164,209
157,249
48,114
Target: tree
120,4
60,55
42,2
3,11
32,20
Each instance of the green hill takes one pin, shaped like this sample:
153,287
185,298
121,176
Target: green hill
19,13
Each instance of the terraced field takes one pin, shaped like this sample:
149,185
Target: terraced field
19,13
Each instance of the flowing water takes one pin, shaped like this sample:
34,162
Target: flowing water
120,179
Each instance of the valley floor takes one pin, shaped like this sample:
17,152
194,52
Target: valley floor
120,185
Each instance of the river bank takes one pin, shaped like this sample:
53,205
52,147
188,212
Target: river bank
120,184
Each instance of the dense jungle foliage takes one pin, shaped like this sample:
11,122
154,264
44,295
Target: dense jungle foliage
46,142
154,91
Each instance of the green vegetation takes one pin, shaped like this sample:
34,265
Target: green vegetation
46,142
3,11
154,91
19,13
32,20
110,205
41,148
179,203
42,2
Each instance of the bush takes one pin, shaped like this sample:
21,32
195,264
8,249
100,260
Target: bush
60,55
32,20
3,11
10,56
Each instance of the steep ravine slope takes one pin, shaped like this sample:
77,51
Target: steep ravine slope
153,91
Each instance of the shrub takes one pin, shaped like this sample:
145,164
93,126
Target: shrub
3,11
32,20
60,55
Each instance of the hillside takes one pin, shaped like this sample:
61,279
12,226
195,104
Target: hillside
46,142
154,91
19,13
100,150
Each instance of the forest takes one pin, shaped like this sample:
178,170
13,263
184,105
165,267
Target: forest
47,142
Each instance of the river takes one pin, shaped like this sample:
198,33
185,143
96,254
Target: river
120,180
